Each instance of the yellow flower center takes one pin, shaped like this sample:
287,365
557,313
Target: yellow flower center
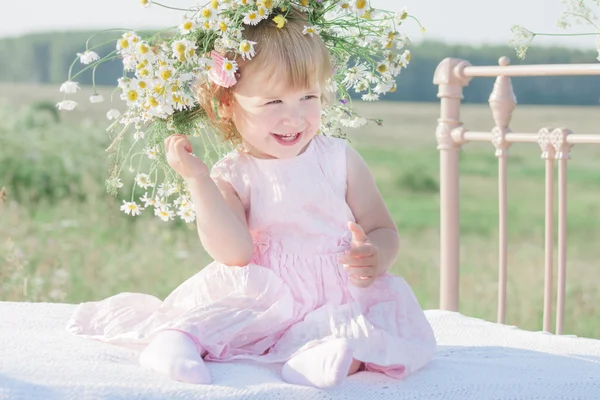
132,95
382,68
214,4
152,101
159,89
389,44
360,4
206,12
161,63
176,98
124,43
245,46
393,89
252,16
222,26
142,84
408,57
267,3
144,2
228,66
144,72
206,25
180,48
143,49
345,6
261,11
166,74
132,207
304,3
187,25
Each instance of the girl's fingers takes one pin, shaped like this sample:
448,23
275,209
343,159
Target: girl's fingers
356,261
361,251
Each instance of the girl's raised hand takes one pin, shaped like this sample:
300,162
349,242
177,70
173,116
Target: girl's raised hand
178,151
362,259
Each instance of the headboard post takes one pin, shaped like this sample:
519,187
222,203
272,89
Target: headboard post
450,79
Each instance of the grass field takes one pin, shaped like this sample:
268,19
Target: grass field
62,238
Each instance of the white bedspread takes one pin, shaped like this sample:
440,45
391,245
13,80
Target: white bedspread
476,360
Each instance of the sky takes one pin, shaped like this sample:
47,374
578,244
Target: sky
454,21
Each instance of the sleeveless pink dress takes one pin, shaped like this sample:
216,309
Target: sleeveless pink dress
294,294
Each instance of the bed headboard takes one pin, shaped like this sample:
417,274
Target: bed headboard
451,76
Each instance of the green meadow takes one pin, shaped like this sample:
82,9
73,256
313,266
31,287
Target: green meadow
63,238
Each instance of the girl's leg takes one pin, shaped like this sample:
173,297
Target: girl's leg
325,365
355,367
175,354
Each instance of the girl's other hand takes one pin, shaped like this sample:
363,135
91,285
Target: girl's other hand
362,259
178,150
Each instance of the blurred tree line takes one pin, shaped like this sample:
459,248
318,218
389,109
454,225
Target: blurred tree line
45,58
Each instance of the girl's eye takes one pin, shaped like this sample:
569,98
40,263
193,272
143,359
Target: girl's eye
310,97
274,102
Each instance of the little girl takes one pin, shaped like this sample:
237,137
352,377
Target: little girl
300,236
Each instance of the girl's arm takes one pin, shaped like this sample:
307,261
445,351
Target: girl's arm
221,221
370,211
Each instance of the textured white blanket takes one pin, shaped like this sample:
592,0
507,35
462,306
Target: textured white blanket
476,359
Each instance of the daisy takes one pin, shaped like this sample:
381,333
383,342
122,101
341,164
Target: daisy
164,213
69,87
67,105
143,181
247,49
113,114
96,98
88,57
187,214
131,208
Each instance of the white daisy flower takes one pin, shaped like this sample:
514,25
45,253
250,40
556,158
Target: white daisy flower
311,30
146,3
139,135
230,67
151,152
164,213
113,114
67,105
187,26
247,49
69,87
148,201
88,57
131,208
143,181
187,214
370,97
96,98
251,18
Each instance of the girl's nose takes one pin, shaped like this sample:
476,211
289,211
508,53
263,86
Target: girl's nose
292,117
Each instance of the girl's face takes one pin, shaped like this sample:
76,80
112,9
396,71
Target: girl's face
274,120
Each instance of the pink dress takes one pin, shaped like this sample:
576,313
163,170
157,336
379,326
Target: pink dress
294,294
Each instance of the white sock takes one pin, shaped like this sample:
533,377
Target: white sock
175,354
322,366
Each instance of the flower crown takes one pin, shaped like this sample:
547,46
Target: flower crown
366,49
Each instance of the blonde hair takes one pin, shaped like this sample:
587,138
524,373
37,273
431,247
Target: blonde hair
287,55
